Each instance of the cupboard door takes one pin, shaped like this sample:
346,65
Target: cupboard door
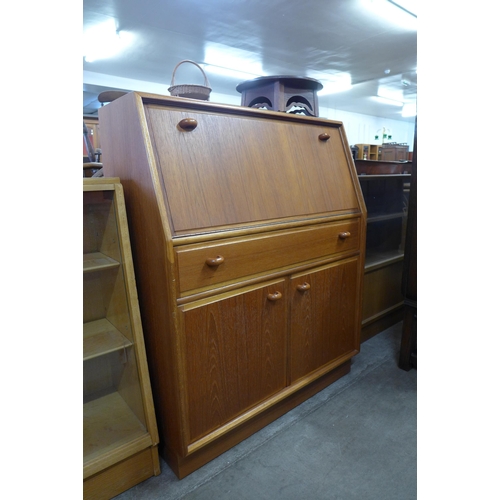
235,354
323,313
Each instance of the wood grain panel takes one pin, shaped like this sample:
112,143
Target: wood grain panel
246,256
115,480
220,354
236,355
232,170
118,413
323,317
382,290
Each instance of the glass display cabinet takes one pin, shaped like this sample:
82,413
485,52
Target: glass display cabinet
120,435
385,187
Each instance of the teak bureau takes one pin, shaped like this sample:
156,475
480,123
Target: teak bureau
248,233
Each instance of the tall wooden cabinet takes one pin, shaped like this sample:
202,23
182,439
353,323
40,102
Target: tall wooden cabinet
248,232
385,187
120,435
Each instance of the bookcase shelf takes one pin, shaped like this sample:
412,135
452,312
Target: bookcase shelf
368,151
120,435
100,337
376,260
109,424
97,261
386,199
385,217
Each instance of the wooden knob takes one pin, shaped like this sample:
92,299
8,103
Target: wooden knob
188,124
274,296
324,136
305,286
344,235
214,261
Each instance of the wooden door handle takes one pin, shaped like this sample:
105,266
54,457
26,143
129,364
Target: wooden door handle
344,235
324,136
274,296
305,286
214,261
188,124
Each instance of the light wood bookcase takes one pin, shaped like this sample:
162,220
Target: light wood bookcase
120,435
368,151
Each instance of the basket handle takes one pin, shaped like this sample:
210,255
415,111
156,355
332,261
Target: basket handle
207,84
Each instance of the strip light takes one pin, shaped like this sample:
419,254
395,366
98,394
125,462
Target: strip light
231,73
407,5
401,13
385,100
103,41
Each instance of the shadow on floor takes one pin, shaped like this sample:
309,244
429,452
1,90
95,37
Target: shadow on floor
355,440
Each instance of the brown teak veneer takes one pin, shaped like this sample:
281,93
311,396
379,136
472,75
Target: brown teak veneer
248,235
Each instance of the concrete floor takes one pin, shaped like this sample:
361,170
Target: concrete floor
355,440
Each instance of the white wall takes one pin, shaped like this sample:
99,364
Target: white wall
360,129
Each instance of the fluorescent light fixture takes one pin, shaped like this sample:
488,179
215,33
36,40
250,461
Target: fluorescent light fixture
231,73
399,12
391,93
385,100
103,41
232,62
332,82
333,87
409,109
408,6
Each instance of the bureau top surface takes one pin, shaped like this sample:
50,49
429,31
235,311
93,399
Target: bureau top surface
233,166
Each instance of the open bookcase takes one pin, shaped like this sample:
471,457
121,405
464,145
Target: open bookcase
120,435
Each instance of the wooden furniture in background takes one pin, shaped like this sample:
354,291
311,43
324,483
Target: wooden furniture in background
120,435
368,152
408,352
282,93
394,152
93,133
248,234
385,189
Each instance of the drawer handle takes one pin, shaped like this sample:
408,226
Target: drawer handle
305,286
344,235
214,261
188,124
274,296
324,136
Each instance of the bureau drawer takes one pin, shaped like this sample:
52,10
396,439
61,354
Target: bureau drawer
203,265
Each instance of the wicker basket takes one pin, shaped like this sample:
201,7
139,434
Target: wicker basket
192,91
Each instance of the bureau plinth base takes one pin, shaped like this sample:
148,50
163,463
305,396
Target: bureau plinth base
185,466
